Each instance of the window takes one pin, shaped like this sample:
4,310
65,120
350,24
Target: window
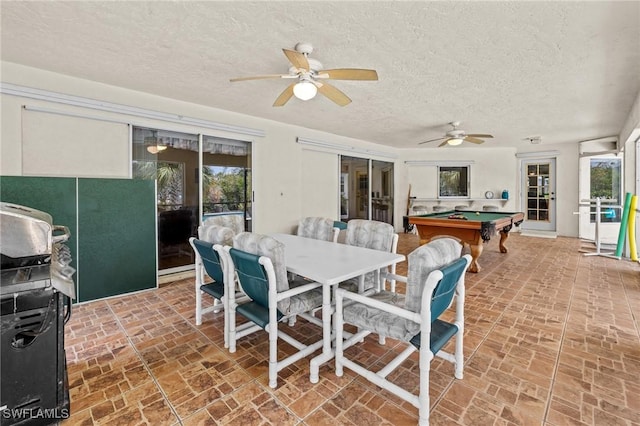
453,181
606,181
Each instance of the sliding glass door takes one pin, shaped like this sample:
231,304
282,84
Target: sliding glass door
188,189
366,189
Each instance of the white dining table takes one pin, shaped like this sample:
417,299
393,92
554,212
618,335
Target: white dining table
330,263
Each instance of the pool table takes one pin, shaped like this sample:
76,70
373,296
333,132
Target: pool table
470,227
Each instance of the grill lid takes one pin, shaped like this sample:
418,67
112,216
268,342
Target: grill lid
24,232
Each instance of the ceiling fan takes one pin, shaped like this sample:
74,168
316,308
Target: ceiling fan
309,77
457,136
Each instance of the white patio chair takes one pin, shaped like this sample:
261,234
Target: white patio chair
233,221
377,236
258,262
210,258
319,228
436,277
212,234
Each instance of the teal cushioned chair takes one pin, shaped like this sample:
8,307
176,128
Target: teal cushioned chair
210,259
376,236
318,228
435,280
258,262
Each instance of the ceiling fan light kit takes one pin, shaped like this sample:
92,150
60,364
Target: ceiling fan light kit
154,149
308,72
305,90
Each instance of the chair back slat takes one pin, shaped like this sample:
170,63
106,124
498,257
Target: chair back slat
252,276
446,288
210,260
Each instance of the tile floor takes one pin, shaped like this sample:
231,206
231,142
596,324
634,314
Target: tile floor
552,338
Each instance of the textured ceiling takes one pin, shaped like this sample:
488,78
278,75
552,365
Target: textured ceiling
565,71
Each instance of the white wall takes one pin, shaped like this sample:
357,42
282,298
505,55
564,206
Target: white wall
281,166
492,169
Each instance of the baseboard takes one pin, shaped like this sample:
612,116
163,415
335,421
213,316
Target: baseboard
176,276
538,234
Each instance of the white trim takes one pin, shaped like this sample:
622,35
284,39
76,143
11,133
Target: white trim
45,95
613,138
73,114
439,162
199,176
538,154
343,148
592,154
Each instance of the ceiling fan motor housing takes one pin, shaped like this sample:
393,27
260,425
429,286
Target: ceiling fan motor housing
304,47
456,133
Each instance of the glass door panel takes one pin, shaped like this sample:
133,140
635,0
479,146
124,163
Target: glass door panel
539,194
172,159
226,179
382,191
601,177
354,191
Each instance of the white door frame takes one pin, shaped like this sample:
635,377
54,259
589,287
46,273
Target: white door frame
608,231
530,223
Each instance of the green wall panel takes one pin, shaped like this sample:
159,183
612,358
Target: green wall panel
56,196
112,224
117,236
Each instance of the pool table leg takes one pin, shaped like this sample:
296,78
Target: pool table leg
503,239
476,251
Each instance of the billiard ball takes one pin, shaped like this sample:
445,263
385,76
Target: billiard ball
478,213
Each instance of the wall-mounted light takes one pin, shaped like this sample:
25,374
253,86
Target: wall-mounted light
305,90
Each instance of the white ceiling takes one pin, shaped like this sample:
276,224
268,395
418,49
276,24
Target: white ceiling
565,71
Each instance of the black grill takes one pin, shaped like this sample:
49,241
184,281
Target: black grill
33,312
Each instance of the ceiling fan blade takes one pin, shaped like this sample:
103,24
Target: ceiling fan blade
473,140
333,93
262,77
285,95
432,140
297,59
478,135
444,143
348,74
